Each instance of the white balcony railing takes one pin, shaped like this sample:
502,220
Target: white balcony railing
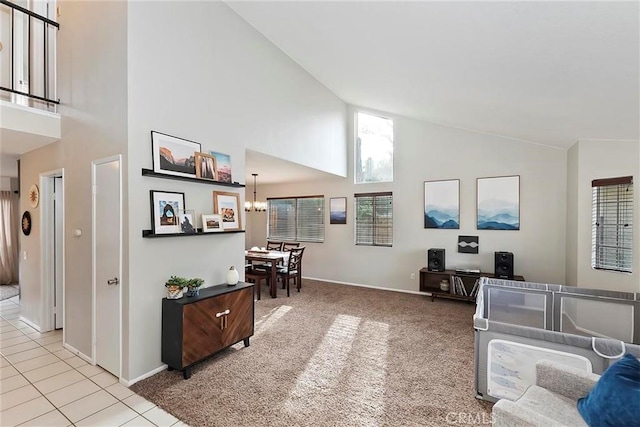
28,55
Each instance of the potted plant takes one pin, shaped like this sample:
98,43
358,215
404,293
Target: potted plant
174,287
193,286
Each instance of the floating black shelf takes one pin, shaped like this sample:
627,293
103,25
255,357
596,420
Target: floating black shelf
149,172
150,234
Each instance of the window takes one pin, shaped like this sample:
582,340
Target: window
374,219
374,149
612,224
299,219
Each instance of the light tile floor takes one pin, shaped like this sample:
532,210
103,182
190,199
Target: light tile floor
43,384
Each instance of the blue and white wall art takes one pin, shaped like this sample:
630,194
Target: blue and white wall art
499,203
442,204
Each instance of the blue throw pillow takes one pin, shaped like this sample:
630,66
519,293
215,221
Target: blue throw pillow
615,399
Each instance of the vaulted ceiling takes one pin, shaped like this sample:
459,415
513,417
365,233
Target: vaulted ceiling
542,71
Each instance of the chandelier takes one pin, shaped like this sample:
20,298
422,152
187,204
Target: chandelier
255,205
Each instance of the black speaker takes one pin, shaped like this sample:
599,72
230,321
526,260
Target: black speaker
504,265
435,259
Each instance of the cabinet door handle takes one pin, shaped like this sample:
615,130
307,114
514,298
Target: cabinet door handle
227,311
220,314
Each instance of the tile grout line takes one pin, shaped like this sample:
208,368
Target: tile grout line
56,408
32,384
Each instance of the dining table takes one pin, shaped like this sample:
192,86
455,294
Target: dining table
270,258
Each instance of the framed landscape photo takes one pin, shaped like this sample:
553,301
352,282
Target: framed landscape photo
228,205
187,221
498,203
206,166
211,223
165,206
173,156
223,166
442,204
338,210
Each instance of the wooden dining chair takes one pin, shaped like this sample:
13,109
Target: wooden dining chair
293,270
274,246
256,276
287,246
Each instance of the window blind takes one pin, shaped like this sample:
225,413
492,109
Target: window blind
612,232
298,219
374,219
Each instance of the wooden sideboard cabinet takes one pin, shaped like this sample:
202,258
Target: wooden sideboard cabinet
194,328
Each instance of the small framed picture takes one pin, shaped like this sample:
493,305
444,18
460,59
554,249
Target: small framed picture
173,156
187,221
228,205
338,210
223,166
165,206
211,223
206,166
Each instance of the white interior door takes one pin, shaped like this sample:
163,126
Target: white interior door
107,260
57,253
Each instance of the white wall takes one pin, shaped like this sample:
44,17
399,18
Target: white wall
92,87
599,159
198,71
425,151
573,159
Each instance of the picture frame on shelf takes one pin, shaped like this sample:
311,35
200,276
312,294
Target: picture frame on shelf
338,210
165,207
227,204
223,166
206,166
187,221
442,204
173,155
211,223
498,203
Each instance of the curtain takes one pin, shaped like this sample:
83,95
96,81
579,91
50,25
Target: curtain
9,229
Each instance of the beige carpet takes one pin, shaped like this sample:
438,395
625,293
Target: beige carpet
335,355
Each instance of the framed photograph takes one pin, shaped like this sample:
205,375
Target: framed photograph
165,206
206,166
228,205
223,166
211,223
442,204
498,203
187,221
338,210
173,156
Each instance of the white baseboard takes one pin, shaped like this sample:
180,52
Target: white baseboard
78,353
368,286
129,383
30,323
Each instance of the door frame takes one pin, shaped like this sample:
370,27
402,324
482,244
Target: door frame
94,164
47,239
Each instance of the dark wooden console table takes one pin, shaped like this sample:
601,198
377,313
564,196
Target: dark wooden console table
194,328
430,282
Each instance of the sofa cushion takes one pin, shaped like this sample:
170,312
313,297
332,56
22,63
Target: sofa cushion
615,399
554,406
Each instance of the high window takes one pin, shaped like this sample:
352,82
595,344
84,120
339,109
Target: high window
374,149
374,219
612,233
299,219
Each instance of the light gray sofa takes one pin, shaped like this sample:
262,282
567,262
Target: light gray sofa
551,402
